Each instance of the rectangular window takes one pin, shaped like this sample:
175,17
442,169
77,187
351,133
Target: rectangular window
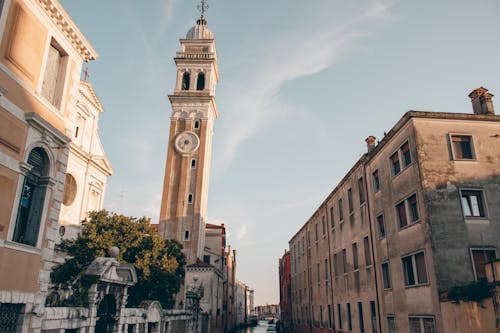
193,164
462,147
324,225
401,211
381,226
405,150
326,269
361,190
341,211
391,324
339,315
349,319
332,220
360,316
373,315
415,271
190,198
355,256
479,257
335,265
472,203
321,315
376,181
316,232
386,275
206,259
349,200
344,261
330,319
422,325
319,274
407,208
396,166
368,257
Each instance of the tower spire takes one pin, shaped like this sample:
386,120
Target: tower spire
202,7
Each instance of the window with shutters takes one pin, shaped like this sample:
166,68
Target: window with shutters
55,71
407,211
415,270
401,159
479,257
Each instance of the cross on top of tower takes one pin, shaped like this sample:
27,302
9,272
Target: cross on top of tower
202,7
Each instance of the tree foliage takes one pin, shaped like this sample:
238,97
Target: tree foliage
159,263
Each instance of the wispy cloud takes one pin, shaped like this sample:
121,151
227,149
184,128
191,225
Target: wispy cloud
241,232
256,103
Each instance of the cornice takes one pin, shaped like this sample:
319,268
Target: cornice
63,21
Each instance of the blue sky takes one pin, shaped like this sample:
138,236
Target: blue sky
303,83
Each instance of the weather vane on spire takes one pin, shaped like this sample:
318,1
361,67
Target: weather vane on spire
202,7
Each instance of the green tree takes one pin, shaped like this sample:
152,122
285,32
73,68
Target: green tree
159,263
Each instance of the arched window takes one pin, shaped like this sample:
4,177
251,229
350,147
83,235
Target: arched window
200,83
186,235
185,81
196,124
29,213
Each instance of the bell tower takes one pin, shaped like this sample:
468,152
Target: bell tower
185,186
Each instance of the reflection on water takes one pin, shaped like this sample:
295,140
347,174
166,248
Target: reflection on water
261,328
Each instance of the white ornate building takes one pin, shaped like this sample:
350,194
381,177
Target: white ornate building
88,167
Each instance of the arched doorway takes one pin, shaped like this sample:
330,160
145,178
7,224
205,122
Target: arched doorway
106,313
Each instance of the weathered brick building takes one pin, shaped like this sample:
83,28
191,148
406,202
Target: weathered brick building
285,292
414,218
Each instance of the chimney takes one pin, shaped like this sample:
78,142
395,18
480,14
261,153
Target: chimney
371,143
481,101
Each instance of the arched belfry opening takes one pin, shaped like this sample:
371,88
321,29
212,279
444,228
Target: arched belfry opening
185,81
31,202
200,83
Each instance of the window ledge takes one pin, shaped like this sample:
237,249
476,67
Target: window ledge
22,247
401,171
477,220
464,160
410,225
427,284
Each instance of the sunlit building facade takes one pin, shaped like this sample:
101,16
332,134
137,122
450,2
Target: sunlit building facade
413,220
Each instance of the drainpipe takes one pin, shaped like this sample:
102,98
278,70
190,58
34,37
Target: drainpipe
331,312
372,246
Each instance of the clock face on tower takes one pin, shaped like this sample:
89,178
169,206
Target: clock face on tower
186,142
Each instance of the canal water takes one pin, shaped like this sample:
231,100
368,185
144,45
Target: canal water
260,328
